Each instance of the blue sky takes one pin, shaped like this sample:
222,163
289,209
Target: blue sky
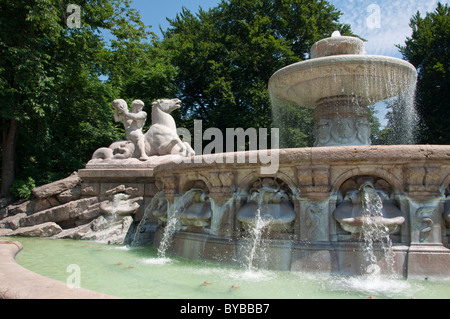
384,23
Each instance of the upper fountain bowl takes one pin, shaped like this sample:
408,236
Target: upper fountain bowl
337,45
338,67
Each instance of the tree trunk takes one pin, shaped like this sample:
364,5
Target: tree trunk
8,156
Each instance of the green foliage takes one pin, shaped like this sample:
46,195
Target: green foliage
224,57
22,188
50,86
428,50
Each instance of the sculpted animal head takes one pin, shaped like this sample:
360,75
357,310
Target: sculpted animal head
167,106
119,105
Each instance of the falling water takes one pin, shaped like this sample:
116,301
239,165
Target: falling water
173,214
218,211
403,119
145,220
256,230
169,231
373,231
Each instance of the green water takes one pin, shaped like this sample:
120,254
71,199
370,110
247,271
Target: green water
137,272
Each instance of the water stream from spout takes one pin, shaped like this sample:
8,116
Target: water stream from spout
173,215
169,231
256,230
374,231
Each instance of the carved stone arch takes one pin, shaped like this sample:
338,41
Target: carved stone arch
247,181
390,178
190,181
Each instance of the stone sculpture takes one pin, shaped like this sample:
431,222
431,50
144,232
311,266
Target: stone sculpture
355,212
133,122
160,139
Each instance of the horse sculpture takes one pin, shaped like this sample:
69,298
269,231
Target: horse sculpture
162,137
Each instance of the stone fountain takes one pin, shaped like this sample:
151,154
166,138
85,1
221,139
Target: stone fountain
313,210
339,82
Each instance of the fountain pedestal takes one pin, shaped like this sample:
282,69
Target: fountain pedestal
341,120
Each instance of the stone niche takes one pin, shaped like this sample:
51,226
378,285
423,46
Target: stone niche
367,199
194,208
267,201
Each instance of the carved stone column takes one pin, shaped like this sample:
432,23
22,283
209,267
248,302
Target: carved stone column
314,185
221,195
170,186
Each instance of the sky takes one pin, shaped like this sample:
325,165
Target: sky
383,23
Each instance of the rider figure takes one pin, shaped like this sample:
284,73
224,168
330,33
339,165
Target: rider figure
133,122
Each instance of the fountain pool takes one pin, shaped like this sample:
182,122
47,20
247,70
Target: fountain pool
138,272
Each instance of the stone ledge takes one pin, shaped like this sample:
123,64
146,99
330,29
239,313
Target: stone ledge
17,282
116,174
309,157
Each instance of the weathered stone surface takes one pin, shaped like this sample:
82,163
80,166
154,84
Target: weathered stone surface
107,230
57,187
38,204
12,222
69,195
93,211
18,208
42,230
5,231
64,212
75,232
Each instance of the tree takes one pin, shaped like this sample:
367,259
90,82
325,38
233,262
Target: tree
226,55
54,108
428,49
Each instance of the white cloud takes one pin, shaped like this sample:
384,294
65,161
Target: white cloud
383,23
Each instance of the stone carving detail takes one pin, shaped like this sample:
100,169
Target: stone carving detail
170,186
160,139
198,210
117,150
421,179
133,123
221,186
352,214
427,228
119,203
314,181
313,213
342,131
271,198
341,120
425,218
157,207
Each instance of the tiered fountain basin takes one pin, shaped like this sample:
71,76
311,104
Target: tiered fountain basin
339,82
304,200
